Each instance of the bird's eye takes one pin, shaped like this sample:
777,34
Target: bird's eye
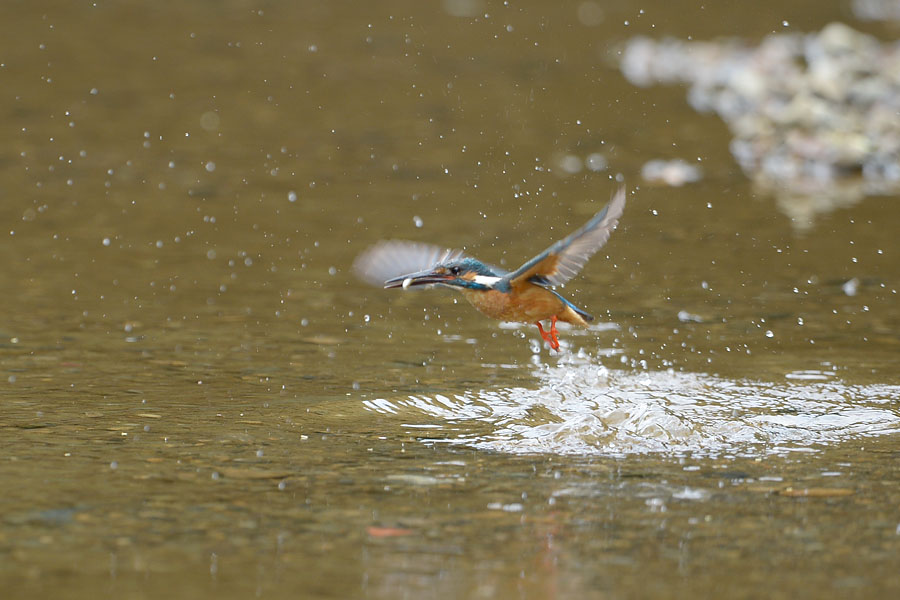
455,270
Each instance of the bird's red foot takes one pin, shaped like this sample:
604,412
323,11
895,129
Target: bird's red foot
550,336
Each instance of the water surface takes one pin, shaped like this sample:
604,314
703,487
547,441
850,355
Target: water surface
199,398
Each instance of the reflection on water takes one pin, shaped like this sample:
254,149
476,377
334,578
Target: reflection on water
809,112
583,408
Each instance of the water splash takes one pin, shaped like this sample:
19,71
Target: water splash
588,409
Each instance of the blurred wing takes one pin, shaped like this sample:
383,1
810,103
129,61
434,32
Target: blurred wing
563,260
389,259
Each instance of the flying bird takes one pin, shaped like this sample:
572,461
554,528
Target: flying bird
525,295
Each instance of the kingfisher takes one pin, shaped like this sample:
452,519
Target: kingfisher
525,295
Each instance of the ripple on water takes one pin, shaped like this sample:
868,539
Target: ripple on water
588,409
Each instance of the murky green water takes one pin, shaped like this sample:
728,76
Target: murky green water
199,398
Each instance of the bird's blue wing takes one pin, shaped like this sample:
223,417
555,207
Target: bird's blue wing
563,260
395,258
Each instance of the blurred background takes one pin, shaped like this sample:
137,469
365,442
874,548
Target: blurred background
199,396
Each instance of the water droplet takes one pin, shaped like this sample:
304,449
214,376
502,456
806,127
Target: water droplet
595,162
209,121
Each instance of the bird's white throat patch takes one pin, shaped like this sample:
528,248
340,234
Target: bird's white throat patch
486,280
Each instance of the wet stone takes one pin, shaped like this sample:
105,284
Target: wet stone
805,110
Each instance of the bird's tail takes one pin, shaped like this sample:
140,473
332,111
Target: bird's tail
586,316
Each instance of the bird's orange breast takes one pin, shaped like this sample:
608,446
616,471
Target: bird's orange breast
524,304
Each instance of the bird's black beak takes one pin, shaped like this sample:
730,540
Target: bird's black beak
420,278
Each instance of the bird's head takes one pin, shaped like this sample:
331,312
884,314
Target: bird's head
464,272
